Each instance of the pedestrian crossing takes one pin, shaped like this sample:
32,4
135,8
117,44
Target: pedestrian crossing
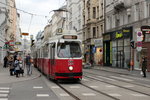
4,92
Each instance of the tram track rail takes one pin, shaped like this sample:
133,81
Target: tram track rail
77,98
121,80
71,94
117,85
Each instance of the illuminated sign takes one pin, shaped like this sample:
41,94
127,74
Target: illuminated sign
69,37
17,43
119,35
11,43
25,33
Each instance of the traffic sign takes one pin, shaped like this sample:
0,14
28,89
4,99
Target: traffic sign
139,49
139,44
139,36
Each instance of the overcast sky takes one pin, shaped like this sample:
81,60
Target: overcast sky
39,7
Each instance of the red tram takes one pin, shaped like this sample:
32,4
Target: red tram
60,57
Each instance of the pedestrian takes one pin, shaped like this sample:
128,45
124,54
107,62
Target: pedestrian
5,61
11,64
17,67
144,66
28,64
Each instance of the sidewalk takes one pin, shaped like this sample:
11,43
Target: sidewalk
121,71
6,78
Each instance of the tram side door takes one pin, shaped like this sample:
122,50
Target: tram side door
52,58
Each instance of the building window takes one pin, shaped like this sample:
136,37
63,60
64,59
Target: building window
129,18
79,24
117,22
102,8
101,28
84,19
137,12
97,12
98,31
79,7
94,12
70,25
84,38
88,13
149,10
88,31
94,32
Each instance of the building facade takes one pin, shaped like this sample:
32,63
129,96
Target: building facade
124,18
3,28
93,28
74,16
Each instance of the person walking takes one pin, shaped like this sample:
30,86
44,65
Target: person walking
5,61
17,67
28,64
11,64
144,66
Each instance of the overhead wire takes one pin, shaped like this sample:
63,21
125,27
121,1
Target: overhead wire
32,14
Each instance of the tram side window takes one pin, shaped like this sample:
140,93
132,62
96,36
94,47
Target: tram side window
45,51
52,53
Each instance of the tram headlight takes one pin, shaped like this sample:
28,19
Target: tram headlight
70,68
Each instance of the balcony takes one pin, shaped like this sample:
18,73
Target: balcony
118,6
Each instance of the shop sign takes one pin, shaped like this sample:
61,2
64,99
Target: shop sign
17,43
98,42
119,35
107,37
25,34
11,43
145,29
127,32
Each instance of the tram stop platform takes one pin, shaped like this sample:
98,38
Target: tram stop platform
6,78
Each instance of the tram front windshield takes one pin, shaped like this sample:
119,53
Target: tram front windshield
69,50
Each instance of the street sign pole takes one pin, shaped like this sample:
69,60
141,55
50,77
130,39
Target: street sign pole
24,34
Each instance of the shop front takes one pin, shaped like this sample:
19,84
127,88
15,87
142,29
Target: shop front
121,49
146,45
107,49
98,55
116,47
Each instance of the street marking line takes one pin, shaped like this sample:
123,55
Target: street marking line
37,87
94,86
64,94
4,88
95,78
3,95
55,87
74,87
3,98
110,86
127,86
88,94
106,78
1,91
42,95
114,94
121,78
139,95
85,79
